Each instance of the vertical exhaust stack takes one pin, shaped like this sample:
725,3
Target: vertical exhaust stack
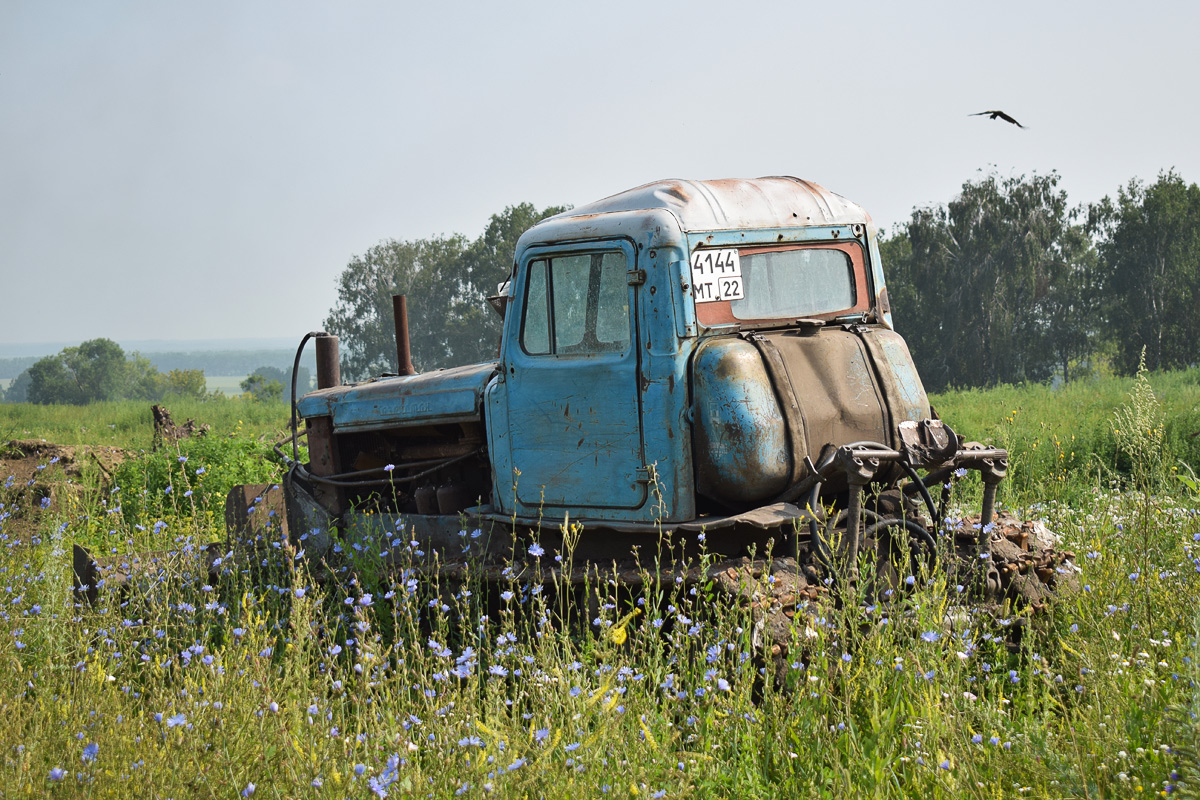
329,371
403,353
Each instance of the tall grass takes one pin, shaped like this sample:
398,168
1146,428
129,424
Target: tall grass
376,681
1061,439
127,424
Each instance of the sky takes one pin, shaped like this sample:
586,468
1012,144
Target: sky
196,171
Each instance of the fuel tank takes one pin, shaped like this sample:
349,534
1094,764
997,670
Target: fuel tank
763,402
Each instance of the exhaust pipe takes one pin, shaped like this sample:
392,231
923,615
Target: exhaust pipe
329,371
403,353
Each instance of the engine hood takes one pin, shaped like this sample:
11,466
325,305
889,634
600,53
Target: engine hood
444,395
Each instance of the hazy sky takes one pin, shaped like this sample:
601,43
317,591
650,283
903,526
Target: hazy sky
205,170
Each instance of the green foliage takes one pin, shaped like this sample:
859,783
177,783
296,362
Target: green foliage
996,286
1150,244
272,383
18,390
192,476
98,371
447,280
89,373
503,690
1062,456
1139,431
262,389
186,383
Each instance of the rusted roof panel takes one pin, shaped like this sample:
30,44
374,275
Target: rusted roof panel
734,203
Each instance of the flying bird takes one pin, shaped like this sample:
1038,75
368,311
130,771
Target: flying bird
997,114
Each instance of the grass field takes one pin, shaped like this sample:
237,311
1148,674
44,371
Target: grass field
229,385
378,684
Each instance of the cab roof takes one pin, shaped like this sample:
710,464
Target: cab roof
733,204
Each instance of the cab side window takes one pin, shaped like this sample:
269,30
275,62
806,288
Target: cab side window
577,303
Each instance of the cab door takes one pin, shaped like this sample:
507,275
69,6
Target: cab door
570,382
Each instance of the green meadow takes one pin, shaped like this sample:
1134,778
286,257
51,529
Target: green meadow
373,682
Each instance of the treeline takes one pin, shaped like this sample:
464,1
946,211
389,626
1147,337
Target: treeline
99,370
447,280
1008,283
211,362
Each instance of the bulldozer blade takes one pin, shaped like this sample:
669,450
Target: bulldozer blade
117,573
252,510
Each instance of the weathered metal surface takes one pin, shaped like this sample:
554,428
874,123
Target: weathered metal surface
403,351
901,386
329,368
445,395
572,433
840,397
741,450
733,204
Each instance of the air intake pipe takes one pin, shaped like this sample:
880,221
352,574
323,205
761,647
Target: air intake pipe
403,353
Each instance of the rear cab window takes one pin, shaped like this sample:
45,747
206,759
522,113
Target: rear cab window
778,283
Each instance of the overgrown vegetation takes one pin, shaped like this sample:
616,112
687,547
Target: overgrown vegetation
377,682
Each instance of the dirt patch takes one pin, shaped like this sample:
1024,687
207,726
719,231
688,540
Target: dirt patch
36,476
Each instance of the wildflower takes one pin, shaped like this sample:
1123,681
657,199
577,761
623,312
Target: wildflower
846,657
316,782
572,747
930,636
57,774
722,685
520,762
536,550
540,734
90,752
249,790
945,764
176,721
977,738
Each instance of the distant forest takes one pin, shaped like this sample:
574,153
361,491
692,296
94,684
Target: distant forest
100,369
213,362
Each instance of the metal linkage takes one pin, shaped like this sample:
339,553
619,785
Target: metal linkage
861,462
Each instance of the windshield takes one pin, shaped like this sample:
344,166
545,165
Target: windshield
733,285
